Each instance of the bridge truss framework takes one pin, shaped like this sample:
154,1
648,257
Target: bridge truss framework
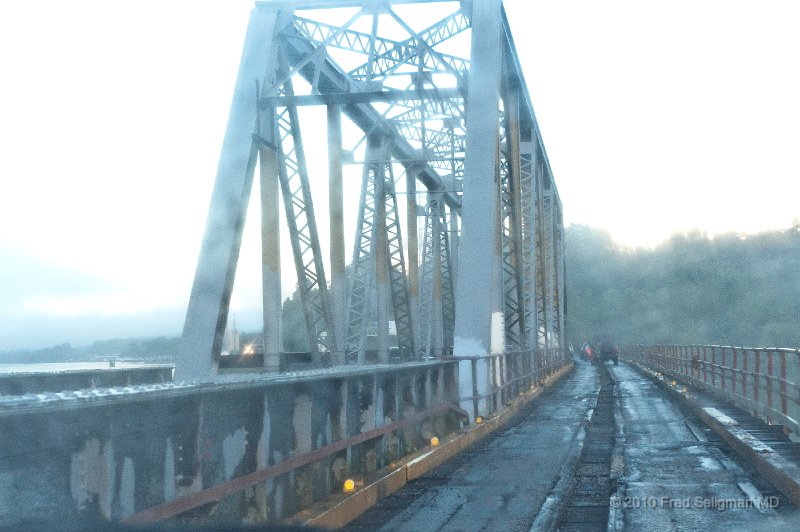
443,118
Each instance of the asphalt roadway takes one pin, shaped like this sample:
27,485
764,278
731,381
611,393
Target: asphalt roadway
677,475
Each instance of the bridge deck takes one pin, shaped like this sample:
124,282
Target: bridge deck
500,482
669,457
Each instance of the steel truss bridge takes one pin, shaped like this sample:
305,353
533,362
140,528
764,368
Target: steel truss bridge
449,148
457,241
447,323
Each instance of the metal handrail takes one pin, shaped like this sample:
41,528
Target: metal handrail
512,372
762,380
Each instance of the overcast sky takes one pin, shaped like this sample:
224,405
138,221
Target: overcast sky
658,117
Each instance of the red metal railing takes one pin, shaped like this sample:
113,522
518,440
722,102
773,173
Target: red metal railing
761,380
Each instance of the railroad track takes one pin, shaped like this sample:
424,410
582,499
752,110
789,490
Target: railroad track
587,503
581,497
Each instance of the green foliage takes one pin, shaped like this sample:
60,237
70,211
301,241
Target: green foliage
293,326
57,353
690,289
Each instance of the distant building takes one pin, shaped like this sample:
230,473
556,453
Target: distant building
232,341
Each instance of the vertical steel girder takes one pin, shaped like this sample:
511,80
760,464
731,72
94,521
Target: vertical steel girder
378,186
362,272
511,224
448,285
560,297
544,259
476,305
528,213
436,302
336,209
401,301
269,162
549,256
303,233
428,273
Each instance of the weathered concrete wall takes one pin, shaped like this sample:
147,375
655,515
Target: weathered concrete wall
20,383
113,453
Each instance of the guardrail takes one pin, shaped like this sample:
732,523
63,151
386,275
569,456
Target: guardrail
261,445
268,445
512,372
762,380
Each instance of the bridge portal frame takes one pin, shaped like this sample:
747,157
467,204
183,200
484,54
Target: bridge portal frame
503,226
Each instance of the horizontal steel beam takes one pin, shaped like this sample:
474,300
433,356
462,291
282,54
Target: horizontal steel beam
322,4
361,97
16,405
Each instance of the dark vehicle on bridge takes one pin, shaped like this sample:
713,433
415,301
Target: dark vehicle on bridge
605,349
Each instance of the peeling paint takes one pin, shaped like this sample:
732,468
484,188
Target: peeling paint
233,447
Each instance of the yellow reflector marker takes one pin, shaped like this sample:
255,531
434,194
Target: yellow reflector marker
434,441
479,420
349,485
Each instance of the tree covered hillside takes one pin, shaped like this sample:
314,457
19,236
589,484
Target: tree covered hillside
690,289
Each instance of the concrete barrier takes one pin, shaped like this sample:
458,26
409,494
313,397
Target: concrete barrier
225,451
341,509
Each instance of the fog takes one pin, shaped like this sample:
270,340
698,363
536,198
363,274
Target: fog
657,118
731,289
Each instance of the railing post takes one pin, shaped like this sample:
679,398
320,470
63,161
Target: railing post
713,366
784,405
705,366
543,363
757,376
474,367
735,369
722,368
532,367
769,379
503,362
497,381
687,363
744,373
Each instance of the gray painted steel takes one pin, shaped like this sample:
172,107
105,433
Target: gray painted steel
487,277
473,294
207,313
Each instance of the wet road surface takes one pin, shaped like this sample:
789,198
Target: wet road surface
679,476
676,475
500,482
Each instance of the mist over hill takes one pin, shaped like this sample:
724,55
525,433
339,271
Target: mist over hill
729,289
